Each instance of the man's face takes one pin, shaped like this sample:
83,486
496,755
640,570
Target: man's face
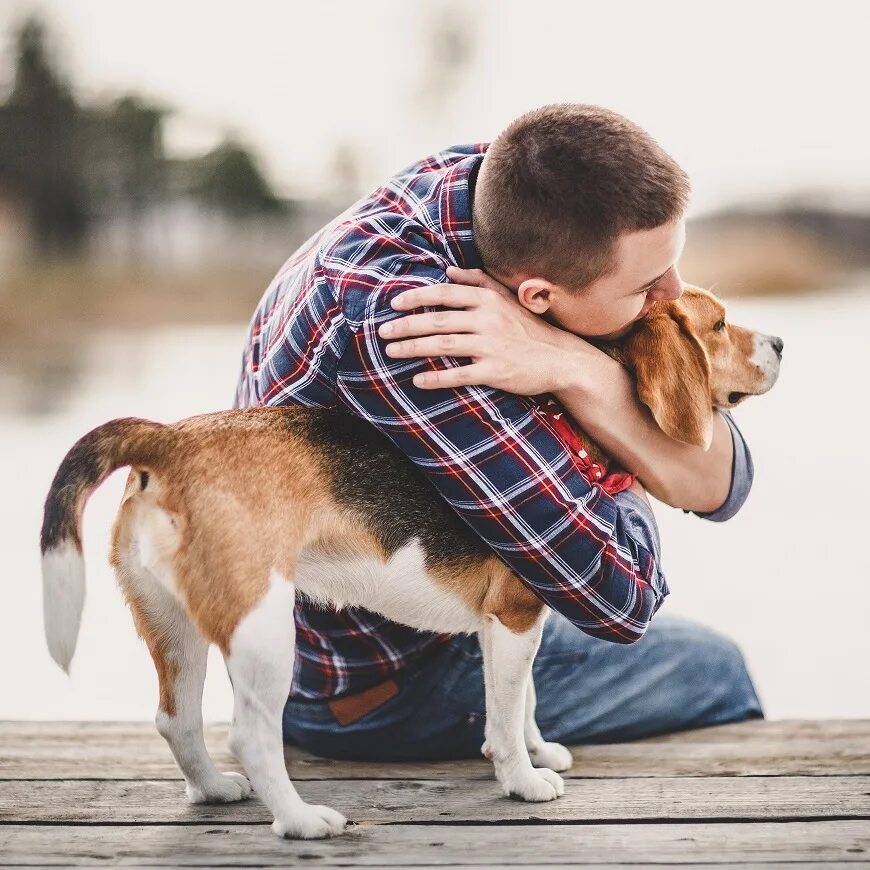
645,272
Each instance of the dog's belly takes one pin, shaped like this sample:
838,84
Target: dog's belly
400,588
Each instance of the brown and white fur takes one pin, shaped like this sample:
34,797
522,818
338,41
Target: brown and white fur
226,516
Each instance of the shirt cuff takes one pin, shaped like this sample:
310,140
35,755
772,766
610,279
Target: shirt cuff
641,525
640,522
742,473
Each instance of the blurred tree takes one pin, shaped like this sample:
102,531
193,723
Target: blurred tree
36,81
41,151
139,142
126,165
229,178
74,167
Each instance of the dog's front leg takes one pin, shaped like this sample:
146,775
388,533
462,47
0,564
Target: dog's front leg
507,666
260,663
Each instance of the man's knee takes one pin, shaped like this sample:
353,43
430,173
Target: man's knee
680,674
718,665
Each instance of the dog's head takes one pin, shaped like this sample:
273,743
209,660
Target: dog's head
688,359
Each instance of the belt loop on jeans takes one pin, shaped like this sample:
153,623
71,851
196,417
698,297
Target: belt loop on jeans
352,707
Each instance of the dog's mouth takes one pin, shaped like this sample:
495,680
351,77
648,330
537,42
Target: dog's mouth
735,398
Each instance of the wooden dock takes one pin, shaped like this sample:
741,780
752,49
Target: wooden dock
753,793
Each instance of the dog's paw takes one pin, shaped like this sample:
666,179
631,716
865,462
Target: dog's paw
223,789
539,784
310,822
552,755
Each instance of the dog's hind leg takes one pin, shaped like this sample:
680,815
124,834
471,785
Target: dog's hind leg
260,662
179,655
507,664
543,754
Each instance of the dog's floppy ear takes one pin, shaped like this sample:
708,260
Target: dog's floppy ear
673,374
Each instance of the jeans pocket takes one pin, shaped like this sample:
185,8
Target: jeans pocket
426,718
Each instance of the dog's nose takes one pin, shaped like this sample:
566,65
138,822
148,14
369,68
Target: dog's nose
778,345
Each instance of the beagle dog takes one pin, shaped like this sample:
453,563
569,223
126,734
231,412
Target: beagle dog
211,546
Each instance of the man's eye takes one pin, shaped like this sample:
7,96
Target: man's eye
719,326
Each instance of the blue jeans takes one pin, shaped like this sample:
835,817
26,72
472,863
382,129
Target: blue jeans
679,675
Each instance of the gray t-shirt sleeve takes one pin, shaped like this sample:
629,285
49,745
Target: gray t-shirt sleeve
742,472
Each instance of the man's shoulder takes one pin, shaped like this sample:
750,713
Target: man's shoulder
390,238
439,162
393,236
403,209
369,262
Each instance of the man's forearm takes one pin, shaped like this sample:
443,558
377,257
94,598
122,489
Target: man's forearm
600,395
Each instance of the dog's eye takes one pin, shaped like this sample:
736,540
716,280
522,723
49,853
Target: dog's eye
719,326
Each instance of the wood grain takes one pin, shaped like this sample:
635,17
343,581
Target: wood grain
457,801
427,845
67,750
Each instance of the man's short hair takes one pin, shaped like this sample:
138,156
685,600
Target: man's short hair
561,183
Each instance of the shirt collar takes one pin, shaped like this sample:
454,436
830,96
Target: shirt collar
454,206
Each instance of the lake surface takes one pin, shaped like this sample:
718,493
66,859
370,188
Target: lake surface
787,578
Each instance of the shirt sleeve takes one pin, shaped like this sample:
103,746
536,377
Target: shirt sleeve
588,555
640,521
742,474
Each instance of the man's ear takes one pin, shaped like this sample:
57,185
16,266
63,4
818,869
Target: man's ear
535,294
673,375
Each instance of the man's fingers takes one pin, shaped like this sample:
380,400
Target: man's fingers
451,344
476,278
459,376
451,295
472,277
427,324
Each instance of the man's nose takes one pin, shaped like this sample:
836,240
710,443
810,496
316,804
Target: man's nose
669,287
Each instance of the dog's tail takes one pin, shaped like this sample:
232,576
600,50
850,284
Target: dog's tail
126,441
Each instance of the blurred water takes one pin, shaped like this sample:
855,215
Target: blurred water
786,578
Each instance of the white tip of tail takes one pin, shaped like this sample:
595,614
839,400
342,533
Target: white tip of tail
63,598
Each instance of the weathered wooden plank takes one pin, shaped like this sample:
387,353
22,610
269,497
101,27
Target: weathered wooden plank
426,845
64,750
458,801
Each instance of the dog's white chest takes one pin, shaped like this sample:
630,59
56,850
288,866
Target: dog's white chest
401,588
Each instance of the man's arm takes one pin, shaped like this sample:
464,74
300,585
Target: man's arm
603,400
742,474
517,351
590,556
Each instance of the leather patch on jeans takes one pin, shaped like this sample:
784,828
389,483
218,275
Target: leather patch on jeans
352,707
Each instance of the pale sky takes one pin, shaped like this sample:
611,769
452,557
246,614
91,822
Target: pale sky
754,99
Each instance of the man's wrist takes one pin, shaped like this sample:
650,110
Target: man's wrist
582,370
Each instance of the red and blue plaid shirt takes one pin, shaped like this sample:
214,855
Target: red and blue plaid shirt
491,455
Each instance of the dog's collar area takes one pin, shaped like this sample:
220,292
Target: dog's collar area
552,413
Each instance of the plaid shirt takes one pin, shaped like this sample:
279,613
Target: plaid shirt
313,341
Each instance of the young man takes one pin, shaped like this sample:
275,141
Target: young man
571,223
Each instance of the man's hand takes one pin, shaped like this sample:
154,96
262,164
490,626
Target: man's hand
511,348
